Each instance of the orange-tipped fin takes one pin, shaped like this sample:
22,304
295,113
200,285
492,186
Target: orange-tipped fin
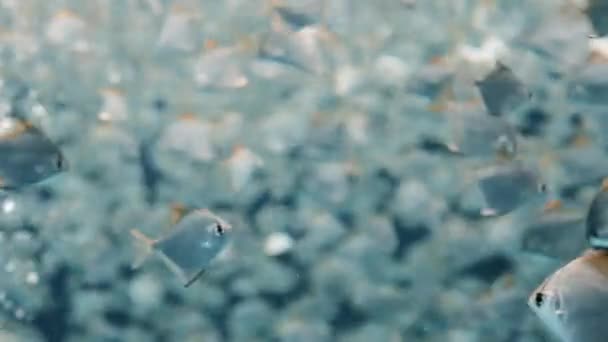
143,248
178,211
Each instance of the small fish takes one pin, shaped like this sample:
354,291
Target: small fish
597,218
571,302
507,186
28,155
301,13
557,232
475,134
189,249
502,91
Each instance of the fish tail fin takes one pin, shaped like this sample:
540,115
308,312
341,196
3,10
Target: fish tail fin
195,278
143,248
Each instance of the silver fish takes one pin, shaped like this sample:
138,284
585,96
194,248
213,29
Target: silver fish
571,302
28,155
194,242
502,91
597,218
507,186
557,232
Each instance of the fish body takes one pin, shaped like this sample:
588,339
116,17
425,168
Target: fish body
507,186
27,155
502,91
189,249
571,302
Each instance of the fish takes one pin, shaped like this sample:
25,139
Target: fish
299,17
597,218
571,302
557,232
502,91
506,186
28,155
475,134
193,243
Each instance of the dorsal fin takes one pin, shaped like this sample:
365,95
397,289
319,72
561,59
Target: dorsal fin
178,211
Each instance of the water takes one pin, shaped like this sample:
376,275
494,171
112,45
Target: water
322,137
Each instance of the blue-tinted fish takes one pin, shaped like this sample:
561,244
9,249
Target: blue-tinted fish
571,302
507,186
27,155
299,14
502,91
189,249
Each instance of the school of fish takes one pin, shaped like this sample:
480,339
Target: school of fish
510,171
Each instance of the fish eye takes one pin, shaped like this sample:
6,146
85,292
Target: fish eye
219,229
542,188
539,299
59,163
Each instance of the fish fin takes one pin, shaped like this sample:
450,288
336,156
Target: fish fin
195,278
178,211
143,247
